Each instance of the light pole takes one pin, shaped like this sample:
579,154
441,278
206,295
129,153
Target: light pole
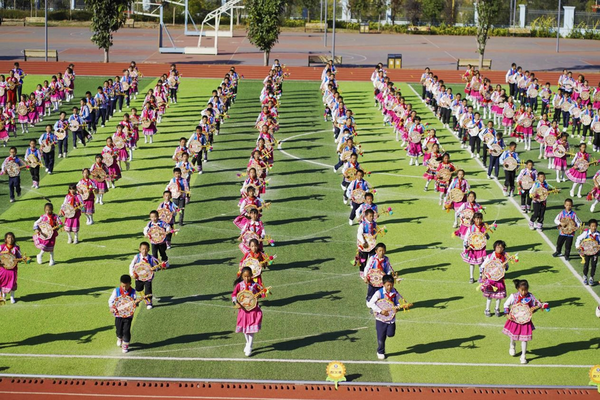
46,29
325,35
333,34
558,29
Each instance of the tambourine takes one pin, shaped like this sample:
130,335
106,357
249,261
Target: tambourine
526,182
496,150
33,161
375,277
145,123
248,300
510,164
195,146
526,122
371,243
165,215
345,155
83,190
494,270
477,240
12,168
541,193
388,305
350,173
545,95
358,196
542,130
124,306
22,109
533,93
466,216
508,112
520,313
456,195
98,174
567,226
559,151
108,159
74,126
444,175
145,272
522,83
125,86
576,112
46,231
596,127
172,81
119,142
488,137
581,165
60,133
586,119
68,210
415,137
9,261
566,106
585,95
157,234
433,163
254,265
589,247
549,140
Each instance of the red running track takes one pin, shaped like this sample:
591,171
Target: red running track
55,389
254,72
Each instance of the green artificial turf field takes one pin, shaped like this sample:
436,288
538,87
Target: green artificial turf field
317,311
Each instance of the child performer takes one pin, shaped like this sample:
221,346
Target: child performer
186,167
162,246
248,322
367,226
351,163
539,206
8,277
247,203
113,169
72,224
88,203
255,251
357,183
441,186
565,237
470,207
574,174
594,193
560,163
172,207
180,190
254,225
102,185
457,183
509,176
428,159
384,329
32,150
494,289
520,332
143,256
469,255
123,325
14,182
589,234
46,245
122,153
377,261
530,172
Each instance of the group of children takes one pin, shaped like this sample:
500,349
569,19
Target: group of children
456,194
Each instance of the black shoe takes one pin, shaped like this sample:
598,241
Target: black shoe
556,254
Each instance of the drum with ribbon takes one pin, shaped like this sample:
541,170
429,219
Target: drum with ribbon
371,243
124,306
386,305
586,119
456,195
12,168
358,196
433,163
254,265
60,133
22,109
526,122
567,226
508,112
494,270
526,182
46,147
157,234
566,106
125,86
46,231
247,300
175,190
541,194
477,240
2,123
559,151
12,85
533,93
444,175
83,190
2,91
510,164
32,161
375,277
496,150
520,313
165,215
549,140
596,127
589,247
576,112
522,83
195,146
68,210
512,79
145,123
474,131
172,81
8,260
108,159
98,174
143,271
74,125
488,137
581,165
119,142
542,130
415,137
585,95
345,155
476,86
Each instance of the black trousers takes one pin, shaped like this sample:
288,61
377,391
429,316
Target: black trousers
513,89
371,290
539,209
63,145
345,185
576,127
587,261
145,286
353,211
556,115
363,257
545,107
14,185
123,326
162,249
35,173
100,114
49,160
494,165
566,116
174,94
445,112
533,102
384,331
586,129
509,180
567,241
484,154
180,202
475,143
78,135
94,120
525,198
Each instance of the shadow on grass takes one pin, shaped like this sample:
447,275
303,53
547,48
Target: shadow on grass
322,295
165,301
564,348
569,301
439,267
440,304
79,337
317,218
295,344
94,292
463,343
183,339
313,265
520,273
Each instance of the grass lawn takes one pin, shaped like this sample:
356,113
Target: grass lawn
317,310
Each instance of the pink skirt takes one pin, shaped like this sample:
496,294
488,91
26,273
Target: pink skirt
539,139
507,122
23,119
519,332
8,279
249,321
114,171
151,130
474,257
549,152
429,175
122,155
33,117
461,231
4,135
441,187
596,105
560,164
488,289
45,245
575,175
72,224
102,187
88,205
414,150
240,221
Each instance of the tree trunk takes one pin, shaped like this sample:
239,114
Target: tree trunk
106,55
266,54
481,53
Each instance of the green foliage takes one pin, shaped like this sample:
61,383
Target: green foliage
264,23
107,17
433,10
486,12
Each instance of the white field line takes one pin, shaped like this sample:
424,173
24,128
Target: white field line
287,360
542,234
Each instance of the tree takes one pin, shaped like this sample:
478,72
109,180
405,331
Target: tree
264,24
486,11
107,17
433,10
414,11
395,9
